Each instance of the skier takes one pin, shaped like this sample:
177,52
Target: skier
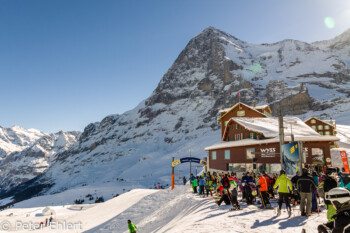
328,182
234,195
305,185
314,207
132,227
201,185
340,199
284,186
184,180
209,186
225,183
263,187
295,193
194,185
269,184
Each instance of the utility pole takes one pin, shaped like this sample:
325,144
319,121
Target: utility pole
190,150
281,135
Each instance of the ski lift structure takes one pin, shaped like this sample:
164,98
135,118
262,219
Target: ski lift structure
183,160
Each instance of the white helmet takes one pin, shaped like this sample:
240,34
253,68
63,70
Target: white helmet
338,196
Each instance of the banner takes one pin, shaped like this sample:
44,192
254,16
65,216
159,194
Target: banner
187,160
290,158
344,158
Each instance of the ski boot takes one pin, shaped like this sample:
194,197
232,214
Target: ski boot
289,213
278,212
238,207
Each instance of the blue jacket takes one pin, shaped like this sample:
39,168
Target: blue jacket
247,179
201,182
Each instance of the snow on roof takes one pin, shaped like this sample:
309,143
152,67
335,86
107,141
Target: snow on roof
248,142
270,129
262,106
226,110
328,122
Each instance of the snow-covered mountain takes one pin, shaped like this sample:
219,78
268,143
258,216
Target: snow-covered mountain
180,116
17,139
28,153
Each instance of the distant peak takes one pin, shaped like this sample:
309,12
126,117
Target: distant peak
213,31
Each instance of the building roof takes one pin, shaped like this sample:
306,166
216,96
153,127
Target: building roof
327,122
227,110
263,107
269,126
248,142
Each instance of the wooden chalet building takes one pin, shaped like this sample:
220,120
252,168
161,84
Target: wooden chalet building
250,139
323,127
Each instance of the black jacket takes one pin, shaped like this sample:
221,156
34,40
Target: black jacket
341,223
305,184
329,184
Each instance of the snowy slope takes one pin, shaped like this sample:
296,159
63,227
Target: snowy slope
181,114
167,211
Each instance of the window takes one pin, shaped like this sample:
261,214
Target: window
326,127
251,135
237,167
321,133
242,135
227,154
320,127
327,133
213,155
238,137
313,121
250,153
317,156
236,126
313,127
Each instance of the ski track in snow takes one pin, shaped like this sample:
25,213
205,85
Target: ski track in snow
181,211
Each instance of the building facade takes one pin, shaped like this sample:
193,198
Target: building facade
250,141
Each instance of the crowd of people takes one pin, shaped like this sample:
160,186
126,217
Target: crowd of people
304,190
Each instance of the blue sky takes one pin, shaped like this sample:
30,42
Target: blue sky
64,63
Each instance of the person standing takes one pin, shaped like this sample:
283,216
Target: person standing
284,186
184,180
328,183
305,185
263,187
314,207
131,226
234,195
201,185
225,183
194,184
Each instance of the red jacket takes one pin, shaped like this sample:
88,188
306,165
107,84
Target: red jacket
269,180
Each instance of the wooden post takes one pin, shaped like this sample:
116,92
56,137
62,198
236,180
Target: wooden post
281,137
172,176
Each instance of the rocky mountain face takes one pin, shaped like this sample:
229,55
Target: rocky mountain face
28,153
180,116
